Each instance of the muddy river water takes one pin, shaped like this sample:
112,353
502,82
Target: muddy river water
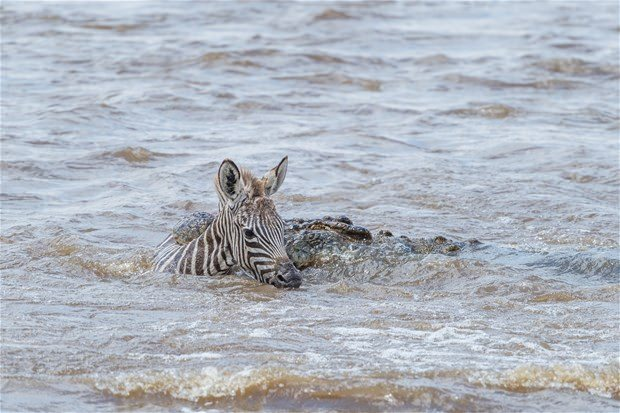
495,121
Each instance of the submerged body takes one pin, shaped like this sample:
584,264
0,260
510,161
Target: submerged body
319,242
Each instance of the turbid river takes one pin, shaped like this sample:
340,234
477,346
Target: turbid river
496,121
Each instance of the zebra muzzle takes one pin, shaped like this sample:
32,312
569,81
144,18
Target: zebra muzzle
287,276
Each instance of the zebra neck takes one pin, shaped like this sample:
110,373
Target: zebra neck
217,244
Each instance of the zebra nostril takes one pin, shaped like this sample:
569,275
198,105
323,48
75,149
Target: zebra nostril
290,281
287,276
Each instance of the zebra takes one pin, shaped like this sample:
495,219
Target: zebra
247,232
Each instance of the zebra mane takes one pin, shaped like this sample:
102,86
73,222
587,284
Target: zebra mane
252,186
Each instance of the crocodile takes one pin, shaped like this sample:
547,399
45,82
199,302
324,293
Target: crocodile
330,240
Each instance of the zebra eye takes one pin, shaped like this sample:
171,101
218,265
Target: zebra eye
248,233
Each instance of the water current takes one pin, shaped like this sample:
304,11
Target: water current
497,121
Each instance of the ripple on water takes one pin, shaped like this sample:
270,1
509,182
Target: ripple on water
133,154
332,14
324,58
228,58
543,84
391,114
121,27
336,79
27,168
598,265
80,258
489,111
251,105
574,66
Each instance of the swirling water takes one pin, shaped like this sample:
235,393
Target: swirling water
497,121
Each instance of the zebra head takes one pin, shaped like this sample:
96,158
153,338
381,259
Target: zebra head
254,229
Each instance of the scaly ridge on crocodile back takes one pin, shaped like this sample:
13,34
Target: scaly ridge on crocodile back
191,227
330,240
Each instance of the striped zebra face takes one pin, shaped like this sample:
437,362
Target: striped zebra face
261,244
256,229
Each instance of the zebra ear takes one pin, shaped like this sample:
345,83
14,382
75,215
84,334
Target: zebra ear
274,178
229,180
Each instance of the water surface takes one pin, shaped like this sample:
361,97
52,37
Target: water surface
495,121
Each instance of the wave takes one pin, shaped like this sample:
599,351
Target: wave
212,385
82,258
371,85
332,14
546,84
589,264
252,389
489,111
603,381
574,66
132,155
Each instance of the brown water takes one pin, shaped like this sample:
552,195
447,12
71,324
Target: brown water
495,121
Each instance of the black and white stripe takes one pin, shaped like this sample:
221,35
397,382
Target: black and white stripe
209,254
247,231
